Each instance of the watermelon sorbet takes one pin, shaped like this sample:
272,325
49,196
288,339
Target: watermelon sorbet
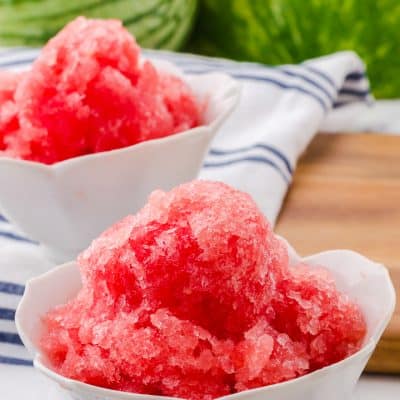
88,92
193,297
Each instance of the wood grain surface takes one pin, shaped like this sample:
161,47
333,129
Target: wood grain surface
346,194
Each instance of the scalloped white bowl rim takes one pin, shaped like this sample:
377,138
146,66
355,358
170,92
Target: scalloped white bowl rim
232,94
74,385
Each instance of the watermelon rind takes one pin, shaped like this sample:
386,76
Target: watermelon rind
163,24
291,31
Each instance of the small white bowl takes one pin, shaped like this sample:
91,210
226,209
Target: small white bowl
365,282
66,205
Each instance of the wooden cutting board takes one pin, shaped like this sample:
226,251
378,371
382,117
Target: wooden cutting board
346,194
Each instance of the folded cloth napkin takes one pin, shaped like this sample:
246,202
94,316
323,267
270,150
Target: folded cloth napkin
256,150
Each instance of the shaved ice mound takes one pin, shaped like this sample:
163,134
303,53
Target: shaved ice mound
203,250
88,92
193,297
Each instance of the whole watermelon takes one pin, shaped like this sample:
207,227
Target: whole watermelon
155,23
289,31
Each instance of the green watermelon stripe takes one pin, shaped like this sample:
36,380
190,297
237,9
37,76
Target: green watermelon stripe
68,12
17,2
146,33
164,21
191,14
27,39
157,13
160,34
137,17
165,40
179,16
152,22
45,34
96,8
41,19
290,31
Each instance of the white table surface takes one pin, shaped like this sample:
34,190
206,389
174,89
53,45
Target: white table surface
378,387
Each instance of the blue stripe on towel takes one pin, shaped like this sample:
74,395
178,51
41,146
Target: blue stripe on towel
273,82
320,73
354,92
339,104
7,314
183,59
11,338
13,236
308,80
254,159
226,65
262,146
21,61
15,361
11,288
355,76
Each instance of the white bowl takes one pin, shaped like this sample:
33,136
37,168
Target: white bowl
66,205
364,281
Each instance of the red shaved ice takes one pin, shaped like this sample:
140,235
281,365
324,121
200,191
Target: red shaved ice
88,92
8,108
193,297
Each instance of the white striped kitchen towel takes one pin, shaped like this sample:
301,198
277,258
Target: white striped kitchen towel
256,150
